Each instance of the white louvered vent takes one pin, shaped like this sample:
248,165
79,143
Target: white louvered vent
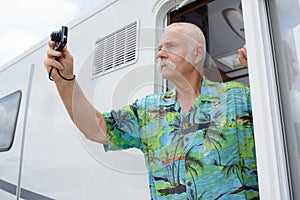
116,50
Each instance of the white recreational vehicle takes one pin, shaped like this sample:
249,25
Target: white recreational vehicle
44,156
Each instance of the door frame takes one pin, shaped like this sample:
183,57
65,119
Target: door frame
268,128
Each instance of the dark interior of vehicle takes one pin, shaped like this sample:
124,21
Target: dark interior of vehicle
222,24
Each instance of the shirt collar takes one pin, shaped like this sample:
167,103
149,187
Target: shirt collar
209,92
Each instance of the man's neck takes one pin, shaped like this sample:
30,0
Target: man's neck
187,91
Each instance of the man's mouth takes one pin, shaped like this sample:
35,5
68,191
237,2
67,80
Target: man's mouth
166,63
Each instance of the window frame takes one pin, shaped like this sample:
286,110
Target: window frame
19,93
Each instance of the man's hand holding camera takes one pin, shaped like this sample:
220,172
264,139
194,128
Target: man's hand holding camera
62,61
59,61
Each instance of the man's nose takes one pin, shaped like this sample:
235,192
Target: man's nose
162,54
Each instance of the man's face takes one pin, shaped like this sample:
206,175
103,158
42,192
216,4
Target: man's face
177,50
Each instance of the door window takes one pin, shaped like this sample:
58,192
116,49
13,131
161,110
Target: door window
285,25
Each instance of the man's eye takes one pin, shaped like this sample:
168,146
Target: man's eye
172,46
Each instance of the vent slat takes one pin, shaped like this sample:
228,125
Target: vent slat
115,50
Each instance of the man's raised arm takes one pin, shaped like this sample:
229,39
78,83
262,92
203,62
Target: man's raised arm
89,120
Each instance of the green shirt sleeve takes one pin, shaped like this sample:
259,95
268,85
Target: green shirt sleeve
122,128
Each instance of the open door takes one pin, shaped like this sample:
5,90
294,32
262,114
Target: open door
222,24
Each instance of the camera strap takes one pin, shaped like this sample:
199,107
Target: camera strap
67,79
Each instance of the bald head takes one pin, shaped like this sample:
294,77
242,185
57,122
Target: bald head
191,31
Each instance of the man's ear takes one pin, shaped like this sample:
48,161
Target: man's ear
199,54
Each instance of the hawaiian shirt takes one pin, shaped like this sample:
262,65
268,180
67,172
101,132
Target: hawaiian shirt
207,153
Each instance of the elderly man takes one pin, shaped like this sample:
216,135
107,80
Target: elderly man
197,139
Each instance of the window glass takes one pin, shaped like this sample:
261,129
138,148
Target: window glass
285,25
9,109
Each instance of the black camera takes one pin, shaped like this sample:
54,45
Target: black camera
60,38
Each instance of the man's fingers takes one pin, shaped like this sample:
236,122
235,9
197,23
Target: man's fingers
61,61
66,53
242,56
244,49
53,54
51,44
243,52
52,63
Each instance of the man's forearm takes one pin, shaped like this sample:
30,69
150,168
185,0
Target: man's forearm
82,112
